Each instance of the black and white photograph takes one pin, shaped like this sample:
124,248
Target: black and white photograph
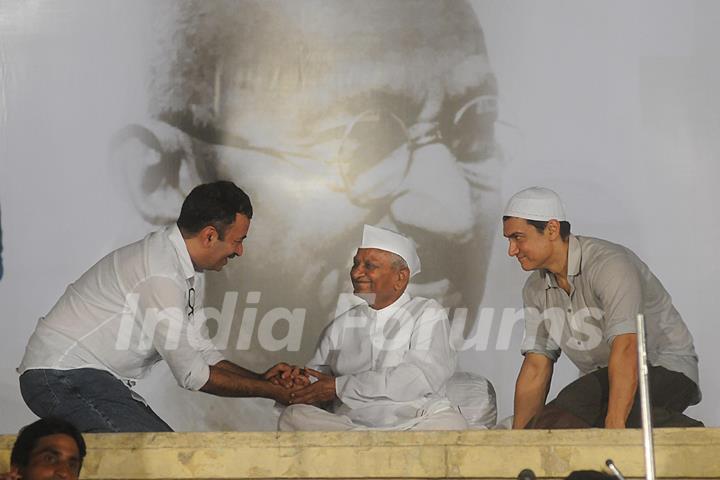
418,117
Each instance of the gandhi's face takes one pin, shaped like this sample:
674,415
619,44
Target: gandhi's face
368,112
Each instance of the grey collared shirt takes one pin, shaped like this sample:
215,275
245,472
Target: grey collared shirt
609,286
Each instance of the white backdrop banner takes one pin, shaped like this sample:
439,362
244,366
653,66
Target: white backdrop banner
420,116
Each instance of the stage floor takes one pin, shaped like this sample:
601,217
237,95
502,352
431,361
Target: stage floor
680,453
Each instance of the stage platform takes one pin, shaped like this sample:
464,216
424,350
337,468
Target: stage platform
681,453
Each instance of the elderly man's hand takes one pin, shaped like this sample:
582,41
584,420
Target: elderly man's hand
282,394
288,376
318,393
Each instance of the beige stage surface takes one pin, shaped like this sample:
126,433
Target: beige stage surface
680,453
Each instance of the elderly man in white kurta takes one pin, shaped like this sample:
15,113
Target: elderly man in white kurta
384,363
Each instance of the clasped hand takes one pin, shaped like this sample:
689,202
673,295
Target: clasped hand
298,386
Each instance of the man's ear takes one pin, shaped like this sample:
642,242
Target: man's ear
553,229
155,164
207,235
403,277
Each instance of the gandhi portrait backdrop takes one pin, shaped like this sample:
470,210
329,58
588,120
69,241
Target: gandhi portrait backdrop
331,115
419,116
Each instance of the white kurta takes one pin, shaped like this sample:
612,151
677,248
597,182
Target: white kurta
391,367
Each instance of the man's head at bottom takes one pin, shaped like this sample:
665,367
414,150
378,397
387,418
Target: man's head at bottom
48,448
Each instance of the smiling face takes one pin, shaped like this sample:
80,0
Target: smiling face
534,250
332,115
53,457
220,250
376,279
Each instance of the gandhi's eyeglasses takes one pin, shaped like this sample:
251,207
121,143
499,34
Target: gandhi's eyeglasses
375,148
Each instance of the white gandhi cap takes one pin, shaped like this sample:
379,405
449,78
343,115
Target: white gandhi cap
382,239
536,203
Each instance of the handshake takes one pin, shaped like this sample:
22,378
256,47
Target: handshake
301,385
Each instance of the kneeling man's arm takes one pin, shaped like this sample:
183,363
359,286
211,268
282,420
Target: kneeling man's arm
235,368
531,388
623,377
230,380
618,285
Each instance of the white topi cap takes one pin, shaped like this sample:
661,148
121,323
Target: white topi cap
382,239
536,203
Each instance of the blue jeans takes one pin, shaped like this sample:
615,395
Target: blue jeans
92,400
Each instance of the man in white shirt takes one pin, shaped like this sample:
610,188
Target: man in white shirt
384,363
135,307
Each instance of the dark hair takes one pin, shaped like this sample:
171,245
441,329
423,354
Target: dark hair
29,435
213,204
540,226
589,475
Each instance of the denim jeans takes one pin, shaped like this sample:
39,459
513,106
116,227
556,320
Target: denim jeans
92,400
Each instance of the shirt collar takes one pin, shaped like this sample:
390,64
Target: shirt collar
574,261
177,241
574,256
390,310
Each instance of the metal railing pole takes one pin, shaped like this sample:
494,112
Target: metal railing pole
645,400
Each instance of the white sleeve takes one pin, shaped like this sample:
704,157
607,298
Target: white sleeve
199,334
163,308
321,360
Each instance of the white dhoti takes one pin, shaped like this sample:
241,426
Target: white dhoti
310,418
390,366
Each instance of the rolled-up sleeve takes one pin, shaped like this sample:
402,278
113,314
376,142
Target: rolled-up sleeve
181,343
619,288
538,333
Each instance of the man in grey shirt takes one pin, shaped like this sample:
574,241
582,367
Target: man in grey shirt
583,297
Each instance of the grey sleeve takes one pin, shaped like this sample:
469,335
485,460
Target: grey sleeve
538,334
618,285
